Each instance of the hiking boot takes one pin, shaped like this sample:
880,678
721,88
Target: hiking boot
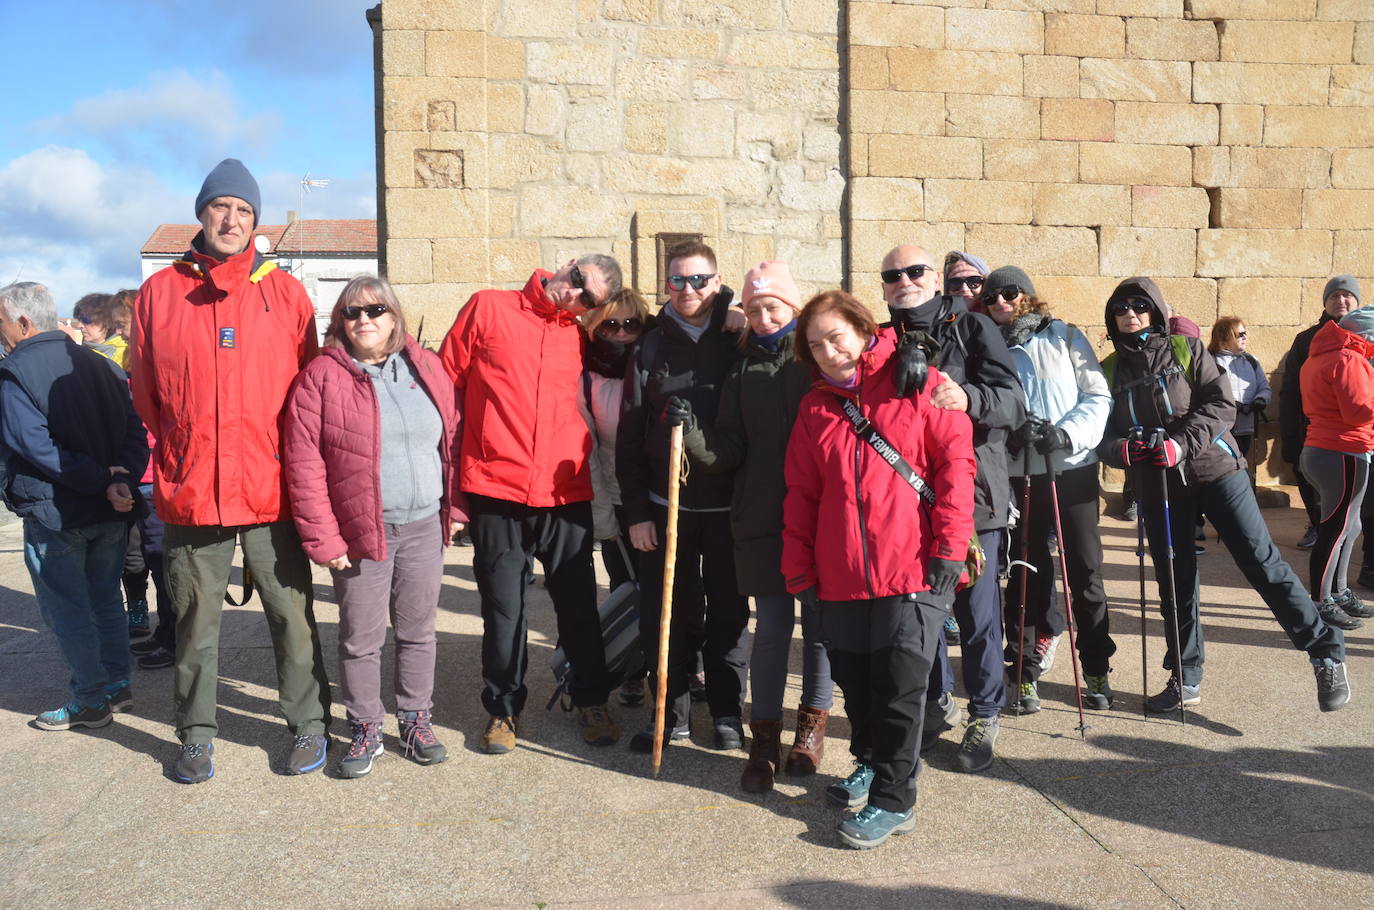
975,752
1352,605
1168,701
499,736
157,659
1308,538
643,741
138,619
1045,647
1333,688
1028,700
365,746
870,826
853,790
418,739
146,646
809,744
632,693
729,733
1098,695
765,755
947,713
73,715
951,631
195,764
308,753
598,728
1366,578
119,698
696,687
1333,615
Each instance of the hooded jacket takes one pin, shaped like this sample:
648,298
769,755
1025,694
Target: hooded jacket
516,360
1292,420
215,348
1338,387
852,527
1151,389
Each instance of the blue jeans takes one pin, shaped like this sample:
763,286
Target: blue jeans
76,581
978,610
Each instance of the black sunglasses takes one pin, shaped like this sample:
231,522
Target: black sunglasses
678,282
1008,293
579,281
1242,334
972,282
85,319
914,272
631,324
373,311
1122,307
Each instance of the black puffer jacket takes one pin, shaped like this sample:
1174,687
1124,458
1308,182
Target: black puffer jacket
1150,388
667,363
974,354
1292,420
758,406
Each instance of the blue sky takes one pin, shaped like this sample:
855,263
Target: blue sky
115,111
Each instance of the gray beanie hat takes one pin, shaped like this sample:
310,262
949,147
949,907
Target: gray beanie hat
231,178
1008,275
1341,283
1360,322
954,256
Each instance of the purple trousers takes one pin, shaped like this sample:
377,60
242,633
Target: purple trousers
404,586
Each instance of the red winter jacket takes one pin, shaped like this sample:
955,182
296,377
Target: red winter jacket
516,359
216,346
1337,384
852,525
333,449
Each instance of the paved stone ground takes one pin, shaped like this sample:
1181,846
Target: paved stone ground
1259,801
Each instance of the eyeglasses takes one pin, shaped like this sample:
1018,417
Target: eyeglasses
1122,307
1008,293
611,326
373,311
972,282
914,272
85,319
1242,334
678,282
579,281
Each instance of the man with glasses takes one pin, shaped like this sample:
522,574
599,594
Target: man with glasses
516,360
982,382
675,378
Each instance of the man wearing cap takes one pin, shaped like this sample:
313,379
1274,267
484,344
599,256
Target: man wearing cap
219,336
973,355
1340,296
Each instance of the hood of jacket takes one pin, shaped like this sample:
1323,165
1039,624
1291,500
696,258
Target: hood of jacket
1331,337
1159,315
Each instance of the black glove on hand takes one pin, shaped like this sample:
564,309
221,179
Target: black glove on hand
808,597
678,412
1052,440
943,574
1028,433
915,351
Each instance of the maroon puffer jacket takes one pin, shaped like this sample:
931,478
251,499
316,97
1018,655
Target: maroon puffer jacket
332,448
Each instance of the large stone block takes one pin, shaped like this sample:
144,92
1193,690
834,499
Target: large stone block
403,52
520,159
1302,42
1241,253
646,128
546,110
731,181
1364,42
408,261
438,168
924,156
1212,165
975,72
1262,301
573,212
640,79
992,116
1081,7
593,125
1050,77
1136,80
1169,206
885,199
1079,300
794,90
896,25
1081,204
407,100
1167,124
680,42
1242,124
1171,39
569,62
455,53
1088,119
796,191
1355,256
1039,162
871,241
1318,127
641,11
424,14
1016,31
1255,9
1338,209
537,19
1161,9
978,201
1038,250
710,83
1354,10
780,131
1275,167
820,17
803,52
1085,36
1195,298
920,113
513,260
1258,207
868,67
461,259
1352,168
1147,251
1352,86
431,214
760,14
820,141
1119,162
647,174
1260,83
505,107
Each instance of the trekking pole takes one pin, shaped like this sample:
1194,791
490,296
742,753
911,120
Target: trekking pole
1138,435
1157,438
1053,477
1026,569
669,569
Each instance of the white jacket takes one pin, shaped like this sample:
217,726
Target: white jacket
1064,384
1248,385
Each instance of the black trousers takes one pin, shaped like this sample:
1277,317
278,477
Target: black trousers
1079,490
881,652
505,537
705,560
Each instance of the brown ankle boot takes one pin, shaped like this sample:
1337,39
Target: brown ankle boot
765,754
809,745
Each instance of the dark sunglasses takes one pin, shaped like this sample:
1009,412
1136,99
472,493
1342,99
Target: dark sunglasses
972,282
579,281
631,324
678,282
1122,307
373,311
85,319
914,272
1242,334
1008,293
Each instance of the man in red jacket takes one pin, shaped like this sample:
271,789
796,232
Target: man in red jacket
516,360
218,338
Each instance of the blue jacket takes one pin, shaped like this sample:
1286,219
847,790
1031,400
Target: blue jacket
1064,384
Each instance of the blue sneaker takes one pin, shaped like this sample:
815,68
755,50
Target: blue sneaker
308,753
119,697
951,631
870,826
196,763
853,790
73,715
139,627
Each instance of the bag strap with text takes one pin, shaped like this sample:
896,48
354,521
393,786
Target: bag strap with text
866,431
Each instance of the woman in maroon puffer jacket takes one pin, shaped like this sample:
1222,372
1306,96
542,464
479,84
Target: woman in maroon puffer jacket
370,443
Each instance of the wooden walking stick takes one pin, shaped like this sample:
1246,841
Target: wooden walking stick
665,619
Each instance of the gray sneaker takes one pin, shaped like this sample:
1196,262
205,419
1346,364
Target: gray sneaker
853,790
729,733
1168,701
1308,539
1333,615
195,764
1098,694
364,747
940,716
1351,605
308,753
1333,688
975,753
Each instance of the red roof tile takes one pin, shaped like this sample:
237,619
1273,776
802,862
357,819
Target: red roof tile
319,236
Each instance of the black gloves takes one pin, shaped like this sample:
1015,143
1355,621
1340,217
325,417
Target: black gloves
915,352
943,574
1255,407
1028,433
678,412
1052,439
808,597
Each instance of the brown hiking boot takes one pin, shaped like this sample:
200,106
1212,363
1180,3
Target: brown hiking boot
809,745
598,728
499,736
765,754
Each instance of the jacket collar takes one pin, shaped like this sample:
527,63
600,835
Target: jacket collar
879,352
227,274
533,298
